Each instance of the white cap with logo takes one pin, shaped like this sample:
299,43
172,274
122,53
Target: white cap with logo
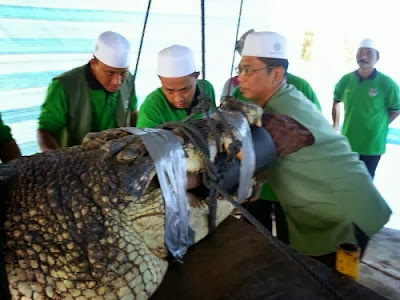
265,44
112,49
368,43
175,61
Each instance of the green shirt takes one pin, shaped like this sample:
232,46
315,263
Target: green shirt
323,188
303,86
54,115
5,133
366,105
156,109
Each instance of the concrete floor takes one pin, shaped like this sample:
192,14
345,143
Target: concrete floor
387,182
380,267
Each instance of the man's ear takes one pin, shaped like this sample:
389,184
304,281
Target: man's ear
92,63
279,74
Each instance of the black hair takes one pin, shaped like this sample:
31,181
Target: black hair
275,62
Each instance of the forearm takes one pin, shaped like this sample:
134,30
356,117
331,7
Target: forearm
9,151
336,114
46,140
393,115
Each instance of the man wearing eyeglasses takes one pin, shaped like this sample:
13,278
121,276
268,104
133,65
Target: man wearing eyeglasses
325,191
97,96
371,101
179,92
231,85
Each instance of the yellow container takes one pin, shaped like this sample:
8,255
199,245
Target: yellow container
348,260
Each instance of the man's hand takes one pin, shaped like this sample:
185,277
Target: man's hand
256,190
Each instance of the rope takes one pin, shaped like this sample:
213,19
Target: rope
234,50
141,39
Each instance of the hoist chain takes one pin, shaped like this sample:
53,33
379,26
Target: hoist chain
205,109
234,48
141,39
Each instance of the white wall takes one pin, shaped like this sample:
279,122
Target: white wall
337,27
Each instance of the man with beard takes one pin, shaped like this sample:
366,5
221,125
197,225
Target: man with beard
371,102
180,89
96,96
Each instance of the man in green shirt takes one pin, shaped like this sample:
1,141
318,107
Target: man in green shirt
9,149
371,102
94,97
179,91
267,207
325,191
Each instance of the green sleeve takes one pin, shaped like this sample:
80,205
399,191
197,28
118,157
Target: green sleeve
338,92
53,114
392,100
149,115
5,133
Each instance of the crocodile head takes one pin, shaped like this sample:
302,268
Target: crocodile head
88,221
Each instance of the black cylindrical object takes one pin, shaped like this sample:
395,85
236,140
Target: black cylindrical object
265,153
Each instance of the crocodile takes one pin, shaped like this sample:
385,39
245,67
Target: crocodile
87,222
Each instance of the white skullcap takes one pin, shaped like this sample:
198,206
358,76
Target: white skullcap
265,44
112,49
175,61
368,43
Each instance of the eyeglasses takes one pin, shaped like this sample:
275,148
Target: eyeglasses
247,71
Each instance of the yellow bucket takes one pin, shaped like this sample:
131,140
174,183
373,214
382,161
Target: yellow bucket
348,260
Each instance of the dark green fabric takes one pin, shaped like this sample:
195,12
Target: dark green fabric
72,109
323,188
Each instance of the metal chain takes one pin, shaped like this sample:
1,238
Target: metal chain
203,47
141,39
234,50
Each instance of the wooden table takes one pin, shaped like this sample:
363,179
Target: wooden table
238,262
